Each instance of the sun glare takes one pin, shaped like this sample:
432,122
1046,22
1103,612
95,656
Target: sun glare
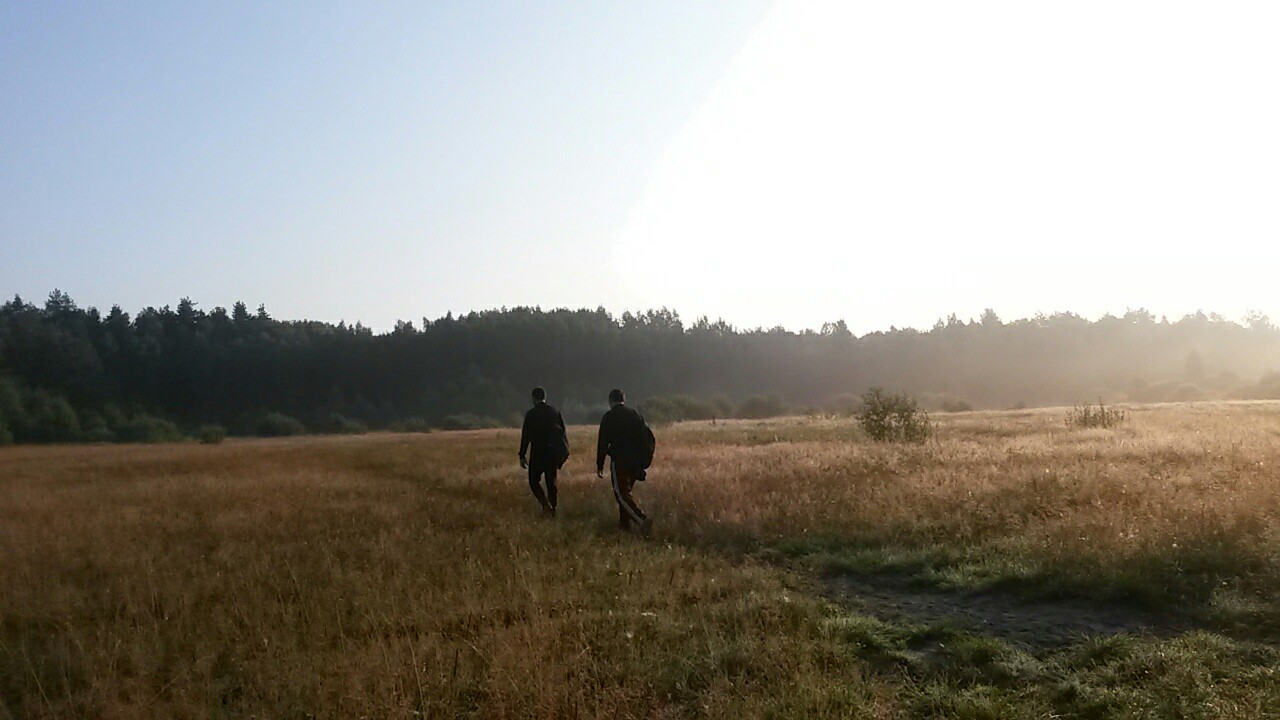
929,154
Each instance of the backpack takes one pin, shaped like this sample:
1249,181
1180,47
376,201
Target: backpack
558,451
648,444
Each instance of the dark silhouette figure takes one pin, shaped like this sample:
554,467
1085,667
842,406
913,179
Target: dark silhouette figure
544,438
622,435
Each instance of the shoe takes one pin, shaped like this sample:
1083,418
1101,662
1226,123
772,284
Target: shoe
646,527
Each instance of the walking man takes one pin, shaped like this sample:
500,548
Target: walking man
626,439
544,438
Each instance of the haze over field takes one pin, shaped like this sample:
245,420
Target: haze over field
769,163
952,384
406,576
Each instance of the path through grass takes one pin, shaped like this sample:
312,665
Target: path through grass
410,576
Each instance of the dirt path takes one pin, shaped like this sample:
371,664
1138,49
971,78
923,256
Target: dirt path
1033,624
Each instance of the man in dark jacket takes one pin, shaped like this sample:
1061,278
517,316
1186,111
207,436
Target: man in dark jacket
547,444
622,432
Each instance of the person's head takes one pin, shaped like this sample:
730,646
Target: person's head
539,394
616,397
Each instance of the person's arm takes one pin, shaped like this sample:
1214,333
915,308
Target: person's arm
564,430
602,446
524,440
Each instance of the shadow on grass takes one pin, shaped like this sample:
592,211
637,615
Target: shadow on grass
1033,608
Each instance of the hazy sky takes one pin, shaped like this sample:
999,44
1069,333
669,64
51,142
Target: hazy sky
771,163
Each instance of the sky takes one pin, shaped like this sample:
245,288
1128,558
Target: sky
769,163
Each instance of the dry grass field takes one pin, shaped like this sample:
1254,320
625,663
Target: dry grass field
411,576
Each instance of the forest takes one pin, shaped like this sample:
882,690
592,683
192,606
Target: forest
71,374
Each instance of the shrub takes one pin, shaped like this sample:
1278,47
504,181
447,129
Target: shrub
1267,388
145,428
578,413
12,413
10,399
762,406
468,421
344,425
1087,416
887,417
411,425
6,437
278,425
589,416
661,410
48,418
95,427
211,434
99,435
676,408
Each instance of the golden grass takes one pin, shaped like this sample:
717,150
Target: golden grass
409,575
385,576
1185,497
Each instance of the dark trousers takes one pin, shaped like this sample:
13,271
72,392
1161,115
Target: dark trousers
623,481
536,472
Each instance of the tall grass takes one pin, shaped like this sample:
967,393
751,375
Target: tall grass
378,577
1178,506
1087,416
410,576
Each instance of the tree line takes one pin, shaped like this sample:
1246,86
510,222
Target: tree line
69,373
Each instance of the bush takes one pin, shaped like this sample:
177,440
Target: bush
6,437
954,406
211,434
95,427
676,408
887,417
145,428
411,425
762,406
48,418
1267,388
11,411
99,435
343,425
468,421
577,413
1087,416
278,425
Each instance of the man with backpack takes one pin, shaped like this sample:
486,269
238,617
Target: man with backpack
629,443
544,438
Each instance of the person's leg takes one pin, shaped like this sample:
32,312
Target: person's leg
551,487
623,482
628,483
534,472
624,515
